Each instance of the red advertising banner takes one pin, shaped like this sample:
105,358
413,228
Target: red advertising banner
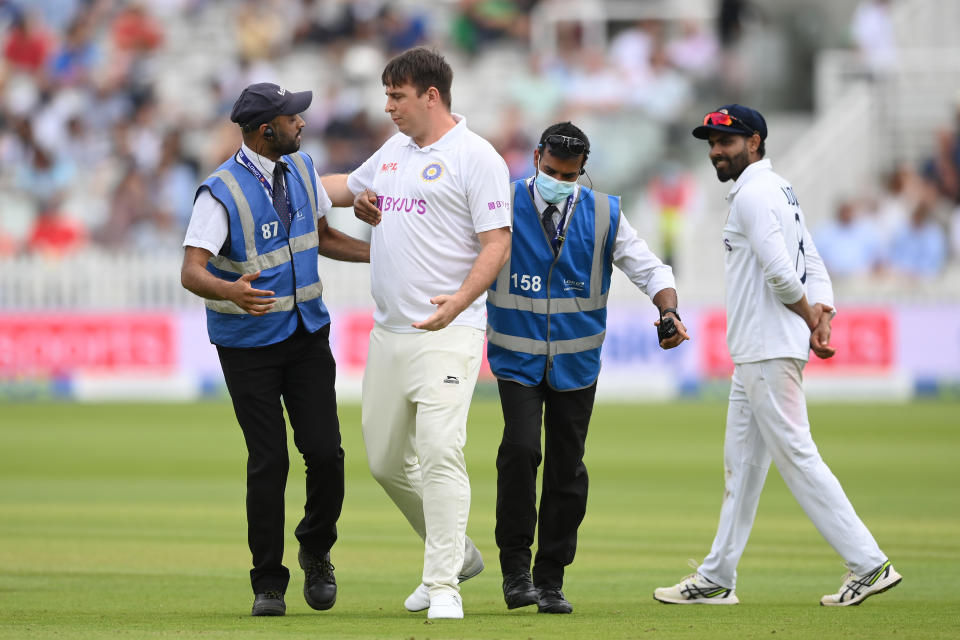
62,344
865,340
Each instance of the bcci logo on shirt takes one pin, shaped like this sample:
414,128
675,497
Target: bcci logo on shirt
432,171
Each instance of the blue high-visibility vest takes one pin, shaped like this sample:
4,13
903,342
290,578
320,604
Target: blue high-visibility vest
259,241
546,313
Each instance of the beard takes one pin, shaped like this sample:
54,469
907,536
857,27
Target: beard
735,166
285,145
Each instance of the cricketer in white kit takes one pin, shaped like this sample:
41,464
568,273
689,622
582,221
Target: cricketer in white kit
771,271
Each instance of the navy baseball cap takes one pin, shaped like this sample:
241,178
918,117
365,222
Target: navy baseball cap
264,101
732,118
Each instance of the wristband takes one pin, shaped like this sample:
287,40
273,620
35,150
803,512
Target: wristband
671,310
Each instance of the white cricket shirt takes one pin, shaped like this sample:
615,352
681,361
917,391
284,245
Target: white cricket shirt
434,200
770,260
208,227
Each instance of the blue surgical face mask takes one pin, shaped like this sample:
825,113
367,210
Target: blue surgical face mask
552,190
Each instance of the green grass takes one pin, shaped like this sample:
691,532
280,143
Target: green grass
128,521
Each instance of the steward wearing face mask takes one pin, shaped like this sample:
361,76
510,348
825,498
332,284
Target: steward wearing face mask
546,316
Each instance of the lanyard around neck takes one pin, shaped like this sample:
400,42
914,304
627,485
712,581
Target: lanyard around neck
256,172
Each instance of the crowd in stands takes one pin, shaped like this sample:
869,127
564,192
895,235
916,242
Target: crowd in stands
93,151
901,232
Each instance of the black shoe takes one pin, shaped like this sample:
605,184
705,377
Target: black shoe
552,601
518,590
319,584
269,603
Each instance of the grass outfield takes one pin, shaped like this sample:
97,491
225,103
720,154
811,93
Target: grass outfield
128,521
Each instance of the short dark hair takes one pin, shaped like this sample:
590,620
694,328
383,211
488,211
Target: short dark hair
569,130
422,68
762,149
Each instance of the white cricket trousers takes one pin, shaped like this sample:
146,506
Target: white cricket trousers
417,389
767,419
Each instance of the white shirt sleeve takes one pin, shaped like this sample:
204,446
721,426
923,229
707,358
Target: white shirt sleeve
208,227
819,287
487,186
362,177
632,256
762,229
324,204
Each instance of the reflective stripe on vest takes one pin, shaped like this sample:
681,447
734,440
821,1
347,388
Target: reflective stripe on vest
283,303
542,347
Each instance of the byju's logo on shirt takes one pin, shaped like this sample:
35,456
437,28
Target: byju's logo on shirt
401,205
497,204
388,167
432,172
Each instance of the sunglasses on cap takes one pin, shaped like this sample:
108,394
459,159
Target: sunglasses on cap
574,146
720,119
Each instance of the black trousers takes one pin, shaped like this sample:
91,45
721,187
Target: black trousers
565,416
301,371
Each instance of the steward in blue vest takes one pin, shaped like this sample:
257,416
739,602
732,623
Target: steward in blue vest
250,252
546,321
547,313
259,241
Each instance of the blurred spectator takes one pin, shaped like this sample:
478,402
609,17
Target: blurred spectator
630,51
260,30
28,44
919,248
73,62
695,51
401,30
174,183
849,244
134,29
514,144
57,14
941,169
730,19
128,203
901,192
730,15
672,192
44,175
594,85
667,92
536,89
54,233
873,35
480,22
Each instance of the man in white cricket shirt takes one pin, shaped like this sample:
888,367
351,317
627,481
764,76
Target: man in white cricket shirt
438,196
772,271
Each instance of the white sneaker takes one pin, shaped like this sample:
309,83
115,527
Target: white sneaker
695,589
855,589
419,599
445,605
472,565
